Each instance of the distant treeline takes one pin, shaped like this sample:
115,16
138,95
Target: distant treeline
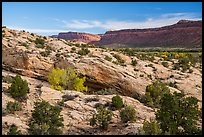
158,49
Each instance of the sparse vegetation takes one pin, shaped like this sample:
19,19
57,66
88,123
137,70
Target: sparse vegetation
39,41
128,114
24,44
39,46
102,118
134,62
45,53
150,128
19,88
13,130
46,120
108,58
83,51
11,107
119,61
73,49
117,102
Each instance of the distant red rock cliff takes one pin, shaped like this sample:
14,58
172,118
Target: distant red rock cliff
183,34
82,37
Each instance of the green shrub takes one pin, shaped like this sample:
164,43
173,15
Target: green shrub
150,128
39,41
11,107
39,46
73,49
66,79
45,53
183,63
46,120
83,51
13,130
165,64
134,62
178,114
108,58
154,93
128,114
128,51
24,44
19,88
117,102
102,118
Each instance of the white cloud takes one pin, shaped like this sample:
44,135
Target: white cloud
37,30
162,20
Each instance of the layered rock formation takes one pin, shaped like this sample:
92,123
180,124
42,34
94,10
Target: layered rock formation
81,37
184,34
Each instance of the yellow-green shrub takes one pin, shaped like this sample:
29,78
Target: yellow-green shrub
55,77
66,79
78,84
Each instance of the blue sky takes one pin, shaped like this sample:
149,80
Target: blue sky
49,18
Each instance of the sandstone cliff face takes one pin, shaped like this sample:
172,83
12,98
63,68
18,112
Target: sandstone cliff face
183,34
82,37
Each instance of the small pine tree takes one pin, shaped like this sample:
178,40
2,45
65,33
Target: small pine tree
134,62
178,112
46,120
150,128
19,88
128,114
117,102
102,118
154,93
